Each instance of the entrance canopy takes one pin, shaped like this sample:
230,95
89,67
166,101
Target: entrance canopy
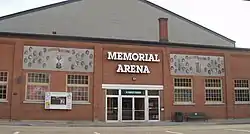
130,86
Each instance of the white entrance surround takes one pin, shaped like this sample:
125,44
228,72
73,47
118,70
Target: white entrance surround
134,86
119,98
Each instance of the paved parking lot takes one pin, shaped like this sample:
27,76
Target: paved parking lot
206,129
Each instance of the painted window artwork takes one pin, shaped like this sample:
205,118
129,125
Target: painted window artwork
37,85
58,59
181,64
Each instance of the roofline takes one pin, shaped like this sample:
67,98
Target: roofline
192,22
115,41
38,9
145,1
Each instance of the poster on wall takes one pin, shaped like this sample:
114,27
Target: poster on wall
36,91
58,59
58,100
182,64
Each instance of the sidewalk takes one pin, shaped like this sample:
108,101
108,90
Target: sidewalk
104,124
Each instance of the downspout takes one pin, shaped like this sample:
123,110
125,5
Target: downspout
227,68
13,80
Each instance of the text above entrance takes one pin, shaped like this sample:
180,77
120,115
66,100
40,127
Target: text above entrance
137,57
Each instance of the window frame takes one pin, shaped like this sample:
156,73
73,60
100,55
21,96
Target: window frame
7,86
214,88
188,88
74,85
32,83
241,88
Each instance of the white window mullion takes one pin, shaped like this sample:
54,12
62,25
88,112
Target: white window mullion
78,84
3,85
213,91
183,91
241,89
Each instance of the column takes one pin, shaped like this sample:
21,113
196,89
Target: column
98,92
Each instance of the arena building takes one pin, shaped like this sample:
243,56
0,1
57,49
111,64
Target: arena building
115,71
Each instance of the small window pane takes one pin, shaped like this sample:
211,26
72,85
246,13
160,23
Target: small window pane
79,93
77,79
153,92
3,91
3,76
183,95
36,92
38,78
112,92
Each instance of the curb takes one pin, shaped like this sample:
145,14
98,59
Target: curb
53,124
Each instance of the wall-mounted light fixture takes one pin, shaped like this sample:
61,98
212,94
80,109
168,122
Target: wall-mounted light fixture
134,78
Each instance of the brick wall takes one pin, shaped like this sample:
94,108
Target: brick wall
237,67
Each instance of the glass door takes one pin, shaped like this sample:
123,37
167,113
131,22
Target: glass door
139,108
133,108
154,109
112,108
127,108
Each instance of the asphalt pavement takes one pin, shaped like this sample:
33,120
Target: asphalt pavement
56,123
191,129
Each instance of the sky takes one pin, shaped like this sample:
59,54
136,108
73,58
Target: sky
230,18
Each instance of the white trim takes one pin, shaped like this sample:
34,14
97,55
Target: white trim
241,88
184,103
183,88
214,103
81,102
213,88
134,87
242,102
33,102
3,100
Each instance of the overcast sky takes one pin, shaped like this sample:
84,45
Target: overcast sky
230,18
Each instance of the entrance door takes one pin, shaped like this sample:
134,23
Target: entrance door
133,108
139,108
154,109
112,108
127,108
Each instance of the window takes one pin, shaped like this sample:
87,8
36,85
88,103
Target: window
213,90
79,86
241,89
183,90
3,85
112,92
153,93
37,85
